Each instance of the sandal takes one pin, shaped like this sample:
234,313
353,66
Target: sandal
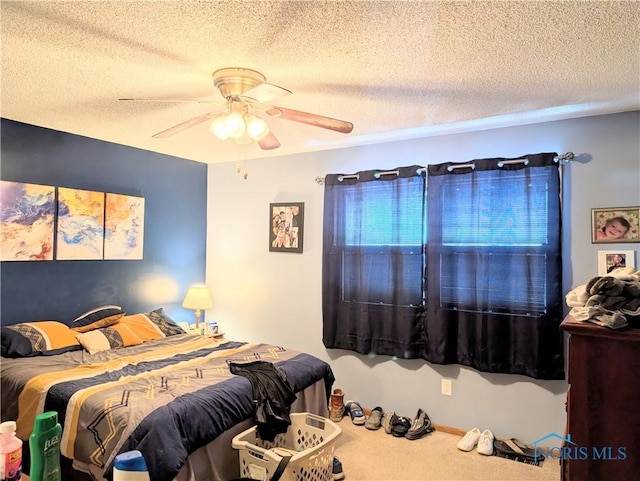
355,412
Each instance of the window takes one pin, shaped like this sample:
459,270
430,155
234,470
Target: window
483,290
383,240
495,240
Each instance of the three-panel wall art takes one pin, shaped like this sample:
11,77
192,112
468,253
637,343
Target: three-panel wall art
80,224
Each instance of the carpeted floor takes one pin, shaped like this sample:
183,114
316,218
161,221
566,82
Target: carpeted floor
377,456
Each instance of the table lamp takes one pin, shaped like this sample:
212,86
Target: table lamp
198,298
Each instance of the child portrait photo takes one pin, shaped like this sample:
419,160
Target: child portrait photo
611,225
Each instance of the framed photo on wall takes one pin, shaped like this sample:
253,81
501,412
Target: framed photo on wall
286,227
617,224
610,260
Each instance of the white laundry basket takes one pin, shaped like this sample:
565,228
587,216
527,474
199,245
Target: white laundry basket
309,440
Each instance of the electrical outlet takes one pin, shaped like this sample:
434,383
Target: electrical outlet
445,388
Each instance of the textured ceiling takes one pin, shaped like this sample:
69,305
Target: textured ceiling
396,69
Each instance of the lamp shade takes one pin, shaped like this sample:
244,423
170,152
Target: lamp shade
198,297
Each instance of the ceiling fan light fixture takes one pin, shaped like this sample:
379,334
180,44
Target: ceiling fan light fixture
256,127
244,139
243,89
219,127
235,125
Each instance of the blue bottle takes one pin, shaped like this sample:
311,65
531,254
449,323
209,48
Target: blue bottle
130,466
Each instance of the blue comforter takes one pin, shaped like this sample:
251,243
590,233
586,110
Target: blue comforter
166,398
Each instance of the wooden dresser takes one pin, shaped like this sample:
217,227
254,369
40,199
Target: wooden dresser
603,403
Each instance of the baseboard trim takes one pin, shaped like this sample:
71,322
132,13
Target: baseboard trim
449,429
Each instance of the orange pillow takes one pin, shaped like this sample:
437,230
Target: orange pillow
143,327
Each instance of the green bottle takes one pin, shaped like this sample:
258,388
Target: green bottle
44,447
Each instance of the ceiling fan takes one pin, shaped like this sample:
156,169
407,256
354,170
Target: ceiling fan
246,91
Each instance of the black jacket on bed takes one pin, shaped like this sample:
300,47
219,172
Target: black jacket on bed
272,396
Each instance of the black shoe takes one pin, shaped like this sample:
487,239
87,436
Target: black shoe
420,426
337,472
400,426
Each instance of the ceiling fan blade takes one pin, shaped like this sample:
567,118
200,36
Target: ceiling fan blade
184,101
269,142
311,119
265,92
183,126
156,100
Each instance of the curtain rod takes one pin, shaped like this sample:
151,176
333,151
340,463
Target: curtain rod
567,157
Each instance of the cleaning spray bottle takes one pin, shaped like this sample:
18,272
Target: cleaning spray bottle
44,447
130,466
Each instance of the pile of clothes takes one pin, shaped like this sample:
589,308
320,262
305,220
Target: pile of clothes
607,300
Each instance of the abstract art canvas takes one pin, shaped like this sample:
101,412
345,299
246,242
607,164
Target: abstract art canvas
80,234
27,221
124,227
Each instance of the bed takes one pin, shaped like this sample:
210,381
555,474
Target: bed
173,398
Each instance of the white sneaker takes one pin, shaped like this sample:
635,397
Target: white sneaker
469,440
485,443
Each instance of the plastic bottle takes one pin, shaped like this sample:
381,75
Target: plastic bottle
10,452
44,447
130,466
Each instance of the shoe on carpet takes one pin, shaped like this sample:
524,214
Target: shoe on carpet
374,421
388,418
337,471
420,426
469,440
485,443
355,412
336,405
400,426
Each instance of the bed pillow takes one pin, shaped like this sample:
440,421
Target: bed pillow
97,318
38,338
152,325
118,335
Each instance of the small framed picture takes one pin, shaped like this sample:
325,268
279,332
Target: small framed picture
618,224
611,260
286,227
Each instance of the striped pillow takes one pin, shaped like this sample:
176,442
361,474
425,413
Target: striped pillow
118,335
38,338
96,318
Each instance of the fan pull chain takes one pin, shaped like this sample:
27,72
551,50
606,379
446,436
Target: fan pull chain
244,172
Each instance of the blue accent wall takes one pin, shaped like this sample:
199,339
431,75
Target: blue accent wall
175,193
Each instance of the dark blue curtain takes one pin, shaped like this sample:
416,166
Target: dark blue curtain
373,262
494,266
480,284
